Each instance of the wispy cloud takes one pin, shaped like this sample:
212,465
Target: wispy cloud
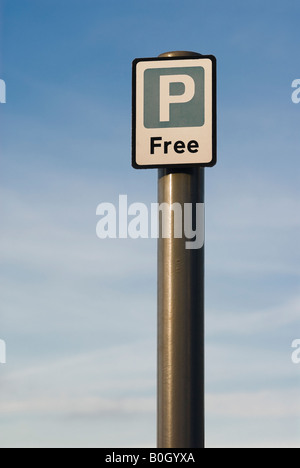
260,320
88,407
255,405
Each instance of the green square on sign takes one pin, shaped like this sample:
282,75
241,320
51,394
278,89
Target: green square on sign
174,97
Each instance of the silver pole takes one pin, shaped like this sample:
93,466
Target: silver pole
180,318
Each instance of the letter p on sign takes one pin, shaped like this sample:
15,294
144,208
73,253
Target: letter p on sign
166,98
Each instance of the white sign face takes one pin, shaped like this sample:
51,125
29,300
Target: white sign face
174,112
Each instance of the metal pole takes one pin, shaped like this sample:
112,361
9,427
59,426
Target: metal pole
180,318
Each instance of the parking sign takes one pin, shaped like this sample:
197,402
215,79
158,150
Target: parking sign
174,112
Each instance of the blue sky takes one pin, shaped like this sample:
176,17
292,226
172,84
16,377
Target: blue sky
78,314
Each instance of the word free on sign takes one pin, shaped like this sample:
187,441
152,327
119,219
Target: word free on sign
174,112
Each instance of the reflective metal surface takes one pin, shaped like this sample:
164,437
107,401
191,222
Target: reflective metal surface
180,320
